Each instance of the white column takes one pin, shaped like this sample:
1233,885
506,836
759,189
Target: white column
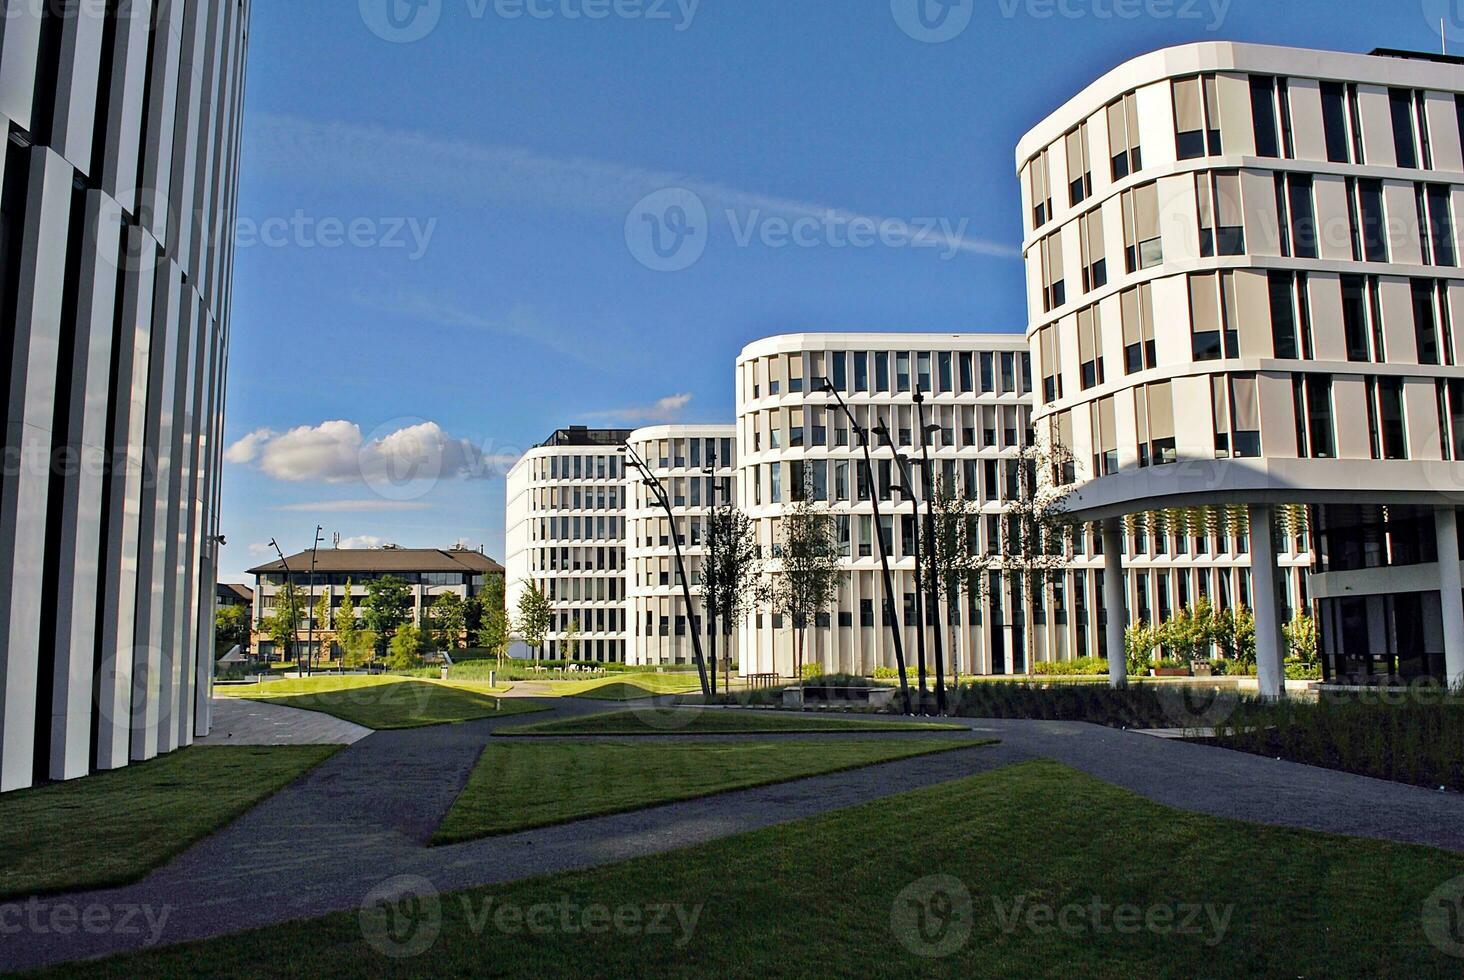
1268,625
1451,592
1113,602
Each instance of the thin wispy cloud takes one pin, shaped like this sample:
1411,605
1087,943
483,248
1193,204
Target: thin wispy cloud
354,506
416,163
668,409
521,322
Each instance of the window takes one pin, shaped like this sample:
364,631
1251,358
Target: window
1105,438
1142,247
840,371
1054,289
1335,115
1039,180
968,378
1050,354
1154,418
1236,405
1435,224
1008,372
882,372
1385,418
1090,238
1431,322
1270,101
1222,230
1312,398
1290,315
1370,221
1410,143
861,371
1080,170
1451,418
922,372
1123,137
1298,222
1197,117
1362,325
1212,311
988,373
943,366
1137,307
902,371
1090,348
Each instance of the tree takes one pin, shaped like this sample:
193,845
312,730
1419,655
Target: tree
322,613
406,649
572,640
361,649
231,629
734,563
347,629
1040,482
494,634
807,582
1301,637
284,622
957,563
1139,641
535,616
449,619
388,605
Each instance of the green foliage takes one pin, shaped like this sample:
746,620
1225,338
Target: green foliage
1299,670
406,649
812,671
285,619
571,642
494,633
1079,667
1301,637
886,673
348,629
535,615
1139,641
1138,706
388,605
808,581
231,629
448,618
360,650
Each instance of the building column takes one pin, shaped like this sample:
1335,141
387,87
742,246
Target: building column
1451,594
1269,667
1113,601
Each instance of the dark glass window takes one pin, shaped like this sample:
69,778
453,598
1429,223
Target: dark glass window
840,372
1334,119
1390,410
1425,322
1263,110
1303,216
1440,224
1372,225
1283,316
1401,101
1354,318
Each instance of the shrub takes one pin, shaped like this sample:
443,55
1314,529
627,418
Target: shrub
886,673
1079,667
812,671
1140,706
1298,669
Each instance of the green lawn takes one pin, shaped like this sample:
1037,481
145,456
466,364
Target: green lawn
1033,845
632,688
535,784
114,827
720,721
384,702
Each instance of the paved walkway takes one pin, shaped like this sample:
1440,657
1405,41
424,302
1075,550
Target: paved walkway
371,808
242,721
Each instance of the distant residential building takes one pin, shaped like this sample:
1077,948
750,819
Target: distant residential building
430,573
229,594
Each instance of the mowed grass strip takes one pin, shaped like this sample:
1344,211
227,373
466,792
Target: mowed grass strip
114,827
385,703
632,688
717,721
521,785
841,895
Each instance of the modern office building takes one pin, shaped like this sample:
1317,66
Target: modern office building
118,172
977,394
429,573
695,463
565,532
1242,267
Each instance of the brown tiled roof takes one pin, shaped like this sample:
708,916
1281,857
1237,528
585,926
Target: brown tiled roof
387,560
242,592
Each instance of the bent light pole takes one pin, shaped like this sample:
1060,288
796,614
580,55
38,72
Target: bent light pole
908,489
653,483
289,586
892,611
932,588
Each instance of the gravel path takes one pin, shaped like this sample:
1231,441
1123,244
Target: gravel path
367,812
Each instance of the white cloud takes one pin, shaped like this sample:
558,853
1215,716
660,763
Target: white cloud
354,506
337,452
260,548
416,163
668,409
362,542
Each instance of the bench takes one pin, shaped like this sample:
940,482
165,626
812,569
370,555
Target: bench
873,697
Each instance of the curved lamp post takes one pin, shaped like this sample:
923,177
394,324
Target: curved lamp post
891,610
908,489
653,484
932,590
289,583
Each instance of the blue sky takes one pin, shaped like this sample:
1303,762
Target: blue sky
448,244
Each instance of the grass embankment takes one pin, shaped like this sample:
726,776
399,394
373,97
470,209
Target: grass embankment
384,702
692,721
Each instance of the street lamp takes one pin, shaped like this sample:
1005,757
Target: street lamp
908,489
653,483
891,610
709,589
310,635
932,591
289,586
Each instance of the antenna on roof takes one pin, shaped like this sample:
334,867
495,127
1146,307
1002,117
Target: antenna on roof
337,540
1443,36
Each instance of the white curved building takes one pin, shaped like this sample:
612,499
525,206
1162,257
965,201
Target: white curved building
565,532
1242,268
696,464
116,219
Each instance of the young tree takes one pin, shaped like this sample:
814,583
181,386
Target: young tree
730,583
388,605
347,629
231,629
494,633
449,619
807,582
535,616
284,622
322,613
361,650
1040,481
1301,637
406,649
957,564
572,640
